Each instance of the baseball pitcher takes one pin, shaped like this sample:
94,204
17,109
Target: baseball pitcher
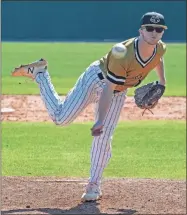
105,82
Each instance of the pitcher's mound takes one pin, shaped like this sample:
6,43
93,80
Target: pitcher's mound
52,195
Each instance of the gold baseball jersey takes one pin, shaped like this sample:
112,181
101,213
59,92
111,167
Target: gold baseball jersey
129,71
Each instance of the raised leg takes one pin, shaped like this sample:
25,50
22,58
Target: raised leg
64,112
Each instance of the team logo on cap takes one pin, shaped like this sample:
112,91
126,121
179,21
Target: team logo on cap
155,19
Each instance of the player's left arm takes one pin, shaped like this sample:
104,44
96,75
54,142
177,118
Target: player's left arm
160,70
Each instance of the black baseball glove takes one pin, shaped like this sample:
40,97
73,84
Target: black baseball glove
147,96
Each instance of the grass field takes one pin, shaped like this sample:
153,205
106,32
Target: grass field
145,149
68,60
140,149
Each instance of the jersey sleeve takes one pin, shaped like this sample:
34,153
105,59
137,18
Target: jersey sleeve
116,71
162,49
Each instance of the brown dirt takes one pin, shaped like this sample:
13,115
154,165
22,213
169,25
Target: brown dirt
55,195
31,108
52,195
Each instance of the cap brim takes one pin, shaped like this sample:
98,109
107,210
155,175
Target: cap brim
155,25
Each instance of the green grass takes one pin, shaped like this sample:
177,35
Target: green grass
141,149
68,60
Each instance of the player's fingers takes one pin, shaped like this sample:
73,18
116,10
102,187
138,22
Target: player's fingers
97,132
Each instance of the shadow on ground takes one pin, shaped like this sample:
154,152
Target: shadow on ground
83,208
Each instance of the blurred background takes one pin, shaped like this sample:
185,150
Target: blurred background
87,20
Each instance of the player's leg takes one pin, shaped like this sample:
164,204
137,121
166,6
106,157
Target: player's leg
62,112
101,147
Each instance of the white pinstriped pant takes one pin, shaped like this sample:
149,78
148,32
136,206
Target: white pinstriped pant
87,90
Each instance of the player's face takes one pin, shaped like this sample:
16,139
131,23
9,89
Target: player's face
152,34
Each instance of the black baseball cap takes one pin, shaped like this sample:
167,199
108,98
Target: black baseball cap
153,19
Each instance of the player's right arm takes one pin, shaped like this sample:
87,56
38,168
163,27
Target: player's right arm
104,103
105,100
114,78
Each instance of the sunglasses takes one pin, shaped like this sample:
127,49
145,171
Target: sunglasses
151,29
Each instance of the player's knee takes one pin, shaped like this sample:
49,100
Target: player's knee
61,122
57,123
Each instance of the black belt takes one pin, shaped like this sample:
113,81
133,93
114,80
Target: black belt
101,77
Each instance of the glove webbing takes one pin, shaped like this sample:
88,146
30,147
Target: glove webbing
148,110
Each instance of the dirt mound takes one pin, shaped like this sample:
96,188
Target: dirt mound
31,108
52,195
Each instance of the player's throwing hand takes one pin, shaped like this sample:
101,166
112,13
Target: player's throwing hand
97,129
